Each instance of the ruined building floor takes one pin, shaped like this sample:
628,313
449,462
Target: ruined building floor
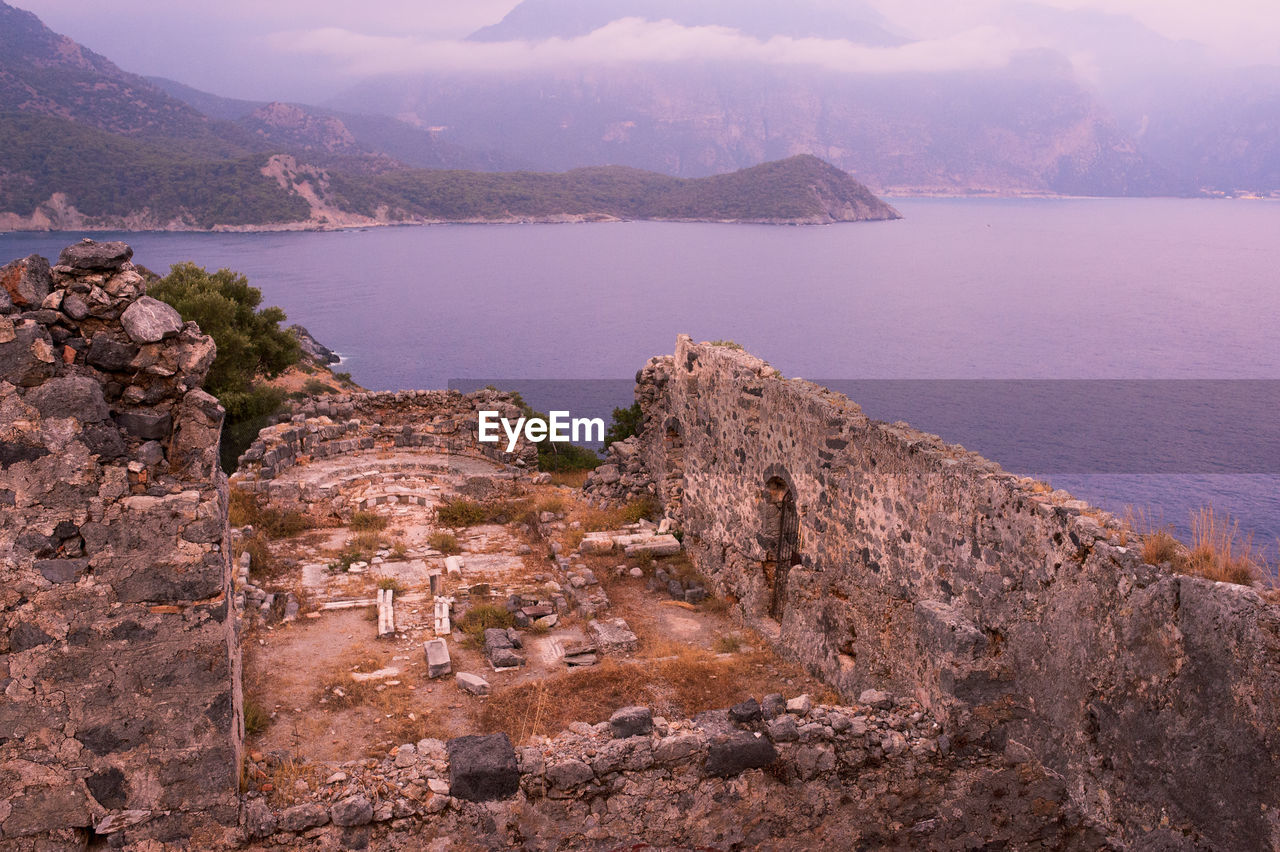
308,713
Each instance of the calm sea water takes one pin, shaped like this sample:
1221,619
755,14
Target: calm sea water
1131,289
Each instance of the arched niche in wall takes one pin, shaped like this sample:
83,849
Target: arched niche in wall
780,538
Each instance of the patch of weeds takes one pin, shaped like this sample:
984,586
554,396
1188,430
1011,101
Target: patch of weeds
1219,552
391,583
460,512
368,522
245,509
729,643
641,509
717,606
1160,547
551,503
446,543
727,344
479,618
573,538
571,478
315,387
256,717
262,562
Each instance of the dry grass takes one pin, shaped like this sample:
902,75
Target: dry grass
571,478
551,503
283,777
481,617
262,562
446,543
595,520
688,682
1160,547
572,539
727,644
1219,552
256,717
368,522
245,509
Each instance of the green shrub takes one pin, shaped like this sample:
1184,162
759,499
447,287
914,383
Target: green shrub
625,423
315,387
250,344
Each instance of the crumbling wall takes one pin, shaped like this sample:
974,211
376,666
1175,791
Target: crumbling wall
770,774
1021,617
118,662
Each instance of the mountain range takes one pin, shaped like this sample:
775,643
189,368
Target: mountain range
84,143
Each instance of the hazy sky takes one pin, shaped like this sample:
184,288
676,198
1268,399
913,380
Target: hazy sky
294,50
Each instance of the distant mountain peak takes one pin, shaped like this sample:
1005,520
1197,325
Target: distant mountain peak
855,21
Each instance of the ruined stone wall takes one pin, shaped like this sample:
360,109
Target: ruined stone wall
118,663
439,421
1019,616
773,774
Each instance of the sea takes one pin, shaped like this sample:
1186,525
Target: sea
1127,350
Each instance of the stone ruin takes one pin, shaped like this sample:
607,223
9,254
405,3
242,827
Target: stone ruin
881,556
120,665
1010,672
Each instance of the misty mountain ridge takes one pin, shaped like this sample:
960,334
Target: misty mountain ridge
1036,123
534,20
1078,117
84,145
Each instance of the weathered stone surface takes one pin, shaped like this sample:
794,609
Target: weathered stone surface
613,636
874,698
735,753
62,570
110,353
70,396
658,545
746,711
353,810
302,817
259,820
483,768
27,282
783,729
147,425
569,773
923,569
436,652
27,359
90,256
136,669
150,320
676,747
773,706
631,722
472,684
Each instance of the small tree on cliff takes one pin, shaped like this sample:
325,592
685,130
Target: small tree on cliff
251,344
250,341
